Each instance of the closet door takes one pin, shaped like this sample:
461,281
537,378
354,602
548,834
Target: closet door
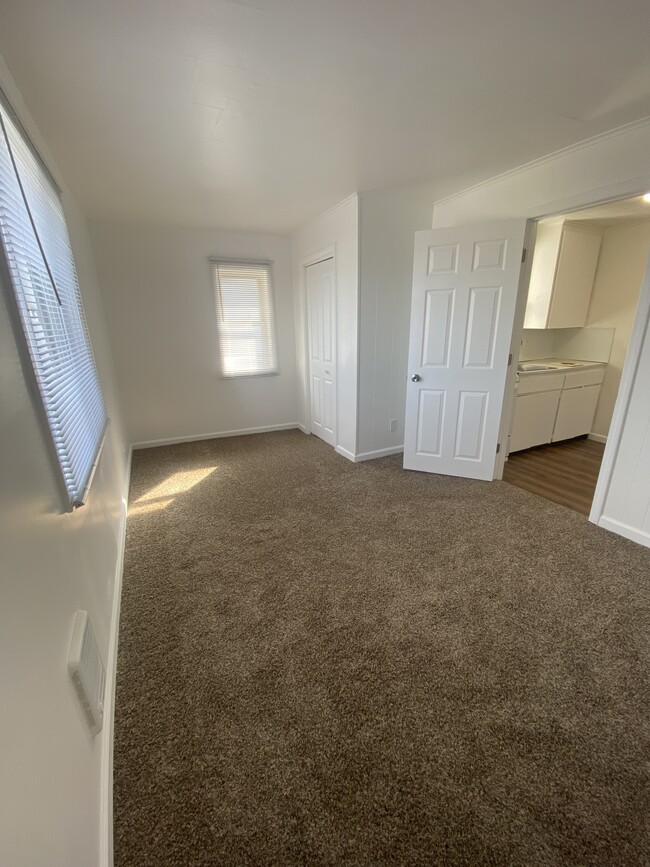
321,310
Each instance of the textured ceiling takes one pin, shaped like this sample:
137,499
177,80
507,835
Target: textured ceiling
257,114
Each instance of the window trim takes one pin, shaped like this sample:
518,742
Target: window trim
214,262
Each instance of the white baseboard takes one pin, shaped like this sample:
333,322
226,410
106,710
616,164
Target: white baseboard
106,772
302,427
633,533
379,453
597,438
150,444
369,456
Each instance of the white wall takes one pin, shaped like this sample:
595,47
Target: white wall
339,227
51,565
159,300
585,344
389,219
537,343
613,165
621,265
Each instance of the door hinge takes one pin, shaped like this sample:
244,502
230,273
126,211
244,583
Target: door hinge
498,447
524,253
510,359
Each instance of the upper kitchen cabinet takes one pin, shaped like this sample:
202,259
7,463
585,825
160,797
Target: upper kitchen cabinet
562,275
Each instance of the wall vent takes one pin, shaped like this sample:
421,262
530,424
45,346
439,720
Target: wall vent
87,671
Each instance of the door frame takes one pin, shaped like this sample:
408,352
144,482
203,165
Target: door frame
320,255
578,202
640,327
508,410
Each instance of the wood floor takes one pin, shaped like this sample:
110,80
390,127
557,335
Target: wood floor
565,473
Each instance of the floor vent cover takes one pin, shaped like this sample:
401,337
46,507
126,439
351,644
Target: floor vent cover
87,671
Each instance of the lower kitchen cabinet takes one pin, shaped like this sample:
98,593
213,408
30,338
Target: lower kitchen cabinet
534,419
576,412
555,405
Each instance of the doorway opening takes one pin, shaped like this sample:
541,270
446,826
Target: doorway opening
586,276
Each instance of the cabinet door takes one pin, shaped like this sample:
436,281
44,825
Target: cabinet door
576,412
574,277
534,419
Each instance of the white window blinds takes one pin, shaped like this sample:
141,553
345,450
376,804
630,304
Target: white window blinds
245,318
42,274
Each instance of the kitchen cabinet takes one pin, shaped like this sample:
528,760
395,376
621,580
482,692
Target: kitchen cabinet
562,275
538,397
578,403
534,419
554,405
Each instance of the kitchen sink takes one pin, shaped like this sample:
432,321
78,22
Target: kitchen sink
526,367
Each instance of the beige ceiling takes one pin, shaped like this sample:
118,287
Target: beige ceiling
610,214
257,114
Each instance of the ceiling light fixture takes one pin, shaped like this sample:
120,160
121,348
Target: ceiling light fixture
646,198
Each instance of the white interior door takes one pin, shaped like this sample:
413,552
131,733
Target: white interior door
321,310
465,286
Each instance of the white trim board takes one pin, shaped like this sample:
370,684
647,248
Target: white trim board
625,530
320,255
379,453
106,760
346,454
369,456
333,209
150,444
597,438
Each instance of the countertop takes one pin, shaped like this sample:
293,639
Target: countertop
553,365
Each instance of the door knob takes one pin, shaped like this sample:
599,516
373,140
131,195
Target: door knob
416,377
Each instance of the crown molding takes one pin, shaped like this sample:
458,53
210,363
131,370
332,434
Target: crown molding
583,144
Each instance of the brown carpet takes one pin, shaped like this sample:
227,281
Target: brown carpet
323,663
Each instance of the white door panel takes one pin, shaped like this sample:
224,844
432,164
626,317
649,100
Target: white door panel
321,303
465,285
431,411
470,428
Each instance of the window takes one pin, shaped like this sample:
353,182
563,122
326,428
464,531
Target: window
245,318
38,262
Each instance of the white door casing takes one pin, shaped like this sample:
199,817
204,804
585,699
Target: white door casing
465,286
321,313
